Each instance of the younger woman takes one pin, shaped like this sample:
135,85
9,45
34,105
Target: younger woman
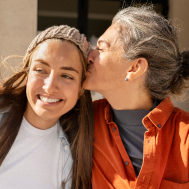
45,113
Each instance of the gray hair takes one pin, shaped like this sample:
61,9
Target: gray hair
60,32
146,34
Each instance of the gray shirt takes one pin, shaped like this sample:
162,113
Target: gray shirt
132,131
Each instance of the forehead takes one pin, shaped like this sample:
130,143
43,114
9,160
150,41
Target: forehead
57,50
54,46
110,36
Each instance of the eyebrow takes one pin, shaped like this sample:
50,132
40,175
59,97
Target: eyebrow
62,68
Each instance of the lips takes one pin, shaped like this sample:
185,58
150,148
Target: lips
49,100
88,69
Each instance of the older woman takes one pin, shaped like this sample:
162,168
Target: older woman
141,140
46,116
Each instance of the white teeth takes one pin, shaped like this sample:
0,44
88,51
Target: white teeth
50,100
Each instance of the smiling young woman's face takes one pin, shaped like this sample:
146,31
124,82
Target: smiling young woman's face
53,82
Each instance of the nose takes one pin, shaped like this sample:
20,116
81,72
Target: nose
92,56
50,85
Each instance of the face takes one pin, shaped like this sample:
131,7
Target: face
53,83
106,65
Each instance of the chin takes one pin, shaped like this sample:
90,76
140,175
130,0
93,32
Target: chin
86,85
49,117
51,120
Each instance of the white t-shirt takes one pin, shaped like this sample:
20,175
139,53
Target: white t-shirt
38,159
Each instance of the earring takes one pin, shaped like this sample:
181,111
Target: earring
126,79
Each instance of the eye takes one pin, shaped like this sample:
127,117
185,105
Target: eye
67,76
99,49
40,71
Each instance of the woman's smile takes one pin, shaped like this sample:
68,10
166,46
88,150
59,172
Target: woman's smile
49,100
53,82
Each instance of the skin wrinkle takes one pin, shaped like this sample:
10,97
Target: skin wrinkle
116,44
108,71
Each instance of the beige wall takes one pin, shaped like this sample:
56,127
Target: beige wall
18,25
178,13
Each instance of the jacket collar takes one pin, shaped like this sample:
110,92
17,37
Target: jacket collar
158,116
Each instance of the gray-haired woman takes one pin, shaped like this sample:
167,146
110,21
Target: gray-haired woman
46,116
140,140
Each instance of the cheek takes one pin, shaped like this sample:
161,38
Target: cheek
103,65
71,91
98,61
32,83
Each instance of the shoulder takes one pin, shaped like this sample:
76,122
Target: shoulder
67,157
100,104
181,120
99,109
180,116
64,139
166,114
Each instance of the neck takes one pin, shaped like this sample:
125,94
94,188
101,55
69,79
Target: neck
38,122
131,99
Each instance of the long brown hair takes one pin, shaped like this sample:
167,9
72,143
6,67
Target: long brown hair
77,123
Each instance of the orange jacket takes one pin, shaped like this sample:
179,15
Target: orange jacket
165,153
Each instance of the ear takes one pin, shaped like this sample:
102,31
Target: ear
138,68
